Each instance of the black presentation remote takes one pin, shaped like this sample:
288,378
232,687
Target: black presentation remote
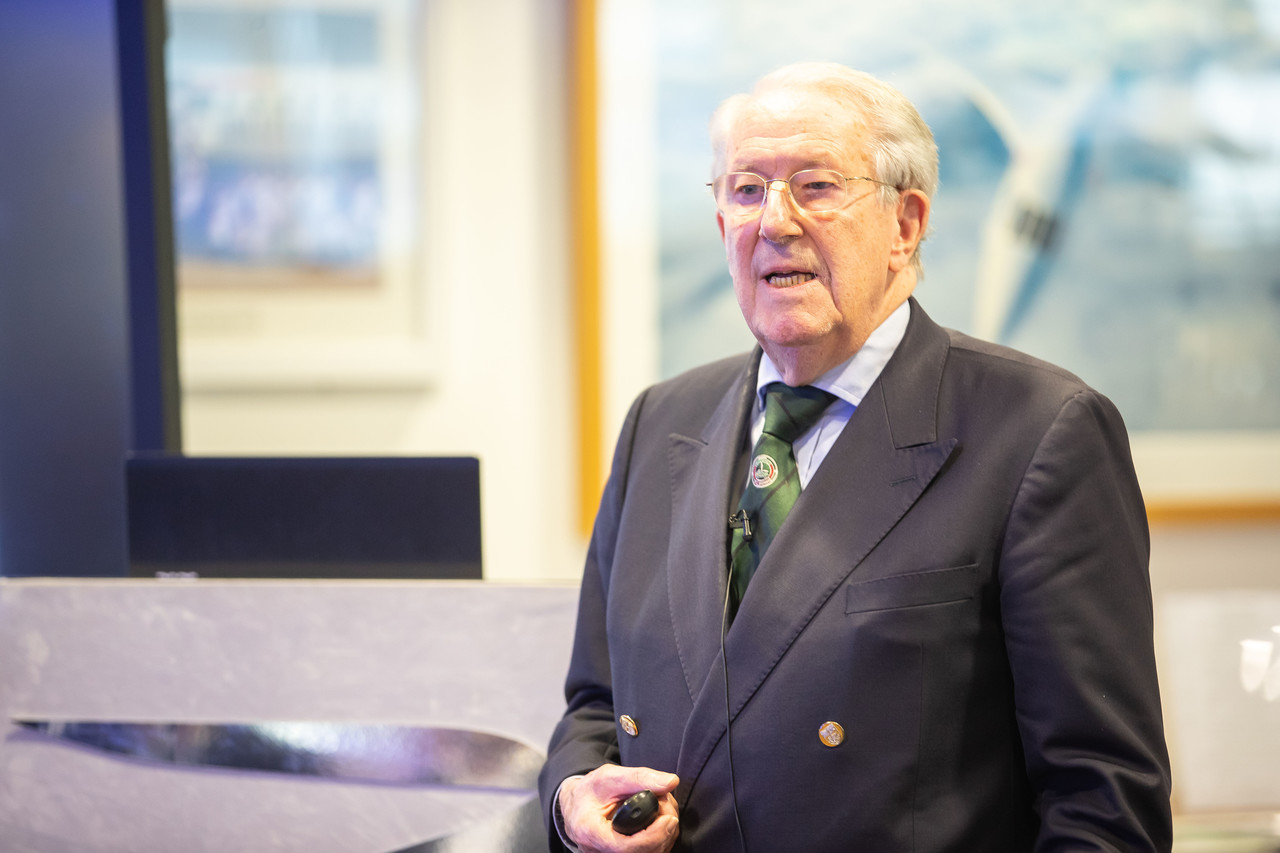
635,813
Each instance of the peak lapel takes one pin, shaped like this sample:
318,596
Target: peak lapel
702,476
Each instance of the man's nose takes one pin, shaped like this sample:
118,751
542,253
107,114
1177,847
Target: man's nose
779,221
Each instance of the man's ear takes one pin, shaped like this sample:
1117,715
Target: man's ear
913,220
720,222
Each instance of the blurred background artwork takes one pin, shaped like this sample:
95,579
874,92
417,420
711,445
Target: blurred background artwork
1110,183
293,138
1221,686
1260,667
276,122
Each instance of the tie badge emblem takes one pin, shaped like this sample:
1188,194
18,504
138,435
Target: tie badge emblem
764,470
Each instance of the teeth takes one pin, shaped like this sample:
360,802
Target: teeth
789,279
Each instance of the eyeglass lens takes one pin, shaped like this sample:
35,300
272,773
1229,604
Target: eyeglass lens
811,189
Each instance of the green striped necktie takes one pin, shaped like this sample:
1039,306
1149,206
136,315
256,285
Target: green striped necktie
773,483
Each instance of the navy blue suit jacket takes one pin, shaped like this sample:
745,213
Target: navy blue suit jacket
962,587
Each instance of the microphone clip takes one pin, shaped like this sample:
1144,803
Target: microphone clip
740,521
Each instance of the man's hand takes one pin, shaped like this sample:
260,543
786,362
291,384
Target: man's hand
587,803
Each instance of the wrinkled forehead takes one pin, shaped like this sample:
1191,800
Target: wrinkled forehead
793,124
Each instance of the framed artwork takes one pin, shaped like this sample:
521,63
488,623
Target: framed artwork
1109,201
1221,676
294,131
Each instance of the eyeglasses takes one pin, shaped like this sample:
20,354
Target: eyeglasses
743,193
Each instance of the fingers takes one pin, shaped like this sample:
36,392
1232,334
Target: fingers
587,804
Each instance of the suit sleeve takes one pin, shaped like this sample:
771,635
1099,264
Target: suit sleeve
1077,612
586,736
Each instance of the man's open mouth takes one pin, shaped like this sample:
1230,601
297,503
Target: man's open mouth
789,279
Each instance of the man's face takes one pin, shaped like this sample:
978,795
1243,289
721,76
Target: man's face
811,285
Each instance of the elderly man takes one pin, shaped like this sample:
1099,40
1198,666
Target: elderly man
947,646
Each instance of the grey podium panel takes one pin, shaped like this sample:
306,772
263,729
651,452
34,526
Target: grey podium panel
386,655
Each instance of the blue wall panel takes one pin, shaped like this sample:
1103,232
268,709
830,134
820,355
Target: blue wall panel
65,421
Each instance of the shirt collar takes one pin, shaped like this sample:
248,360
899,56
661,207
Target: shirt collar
850,379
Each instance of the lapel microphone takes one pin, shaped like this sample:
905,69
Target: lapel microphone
741,521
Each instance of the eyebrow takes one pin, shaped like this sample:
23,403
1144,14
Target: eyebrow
806,165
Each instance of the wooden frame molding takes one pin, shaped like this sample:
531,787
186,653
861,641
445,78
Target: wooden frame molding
586,257
1241,511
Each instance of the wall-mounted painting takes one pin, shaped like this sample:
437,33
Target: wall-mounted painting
293,130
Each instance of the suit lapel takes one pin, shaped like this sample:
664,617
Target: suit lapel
884,459
702,474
